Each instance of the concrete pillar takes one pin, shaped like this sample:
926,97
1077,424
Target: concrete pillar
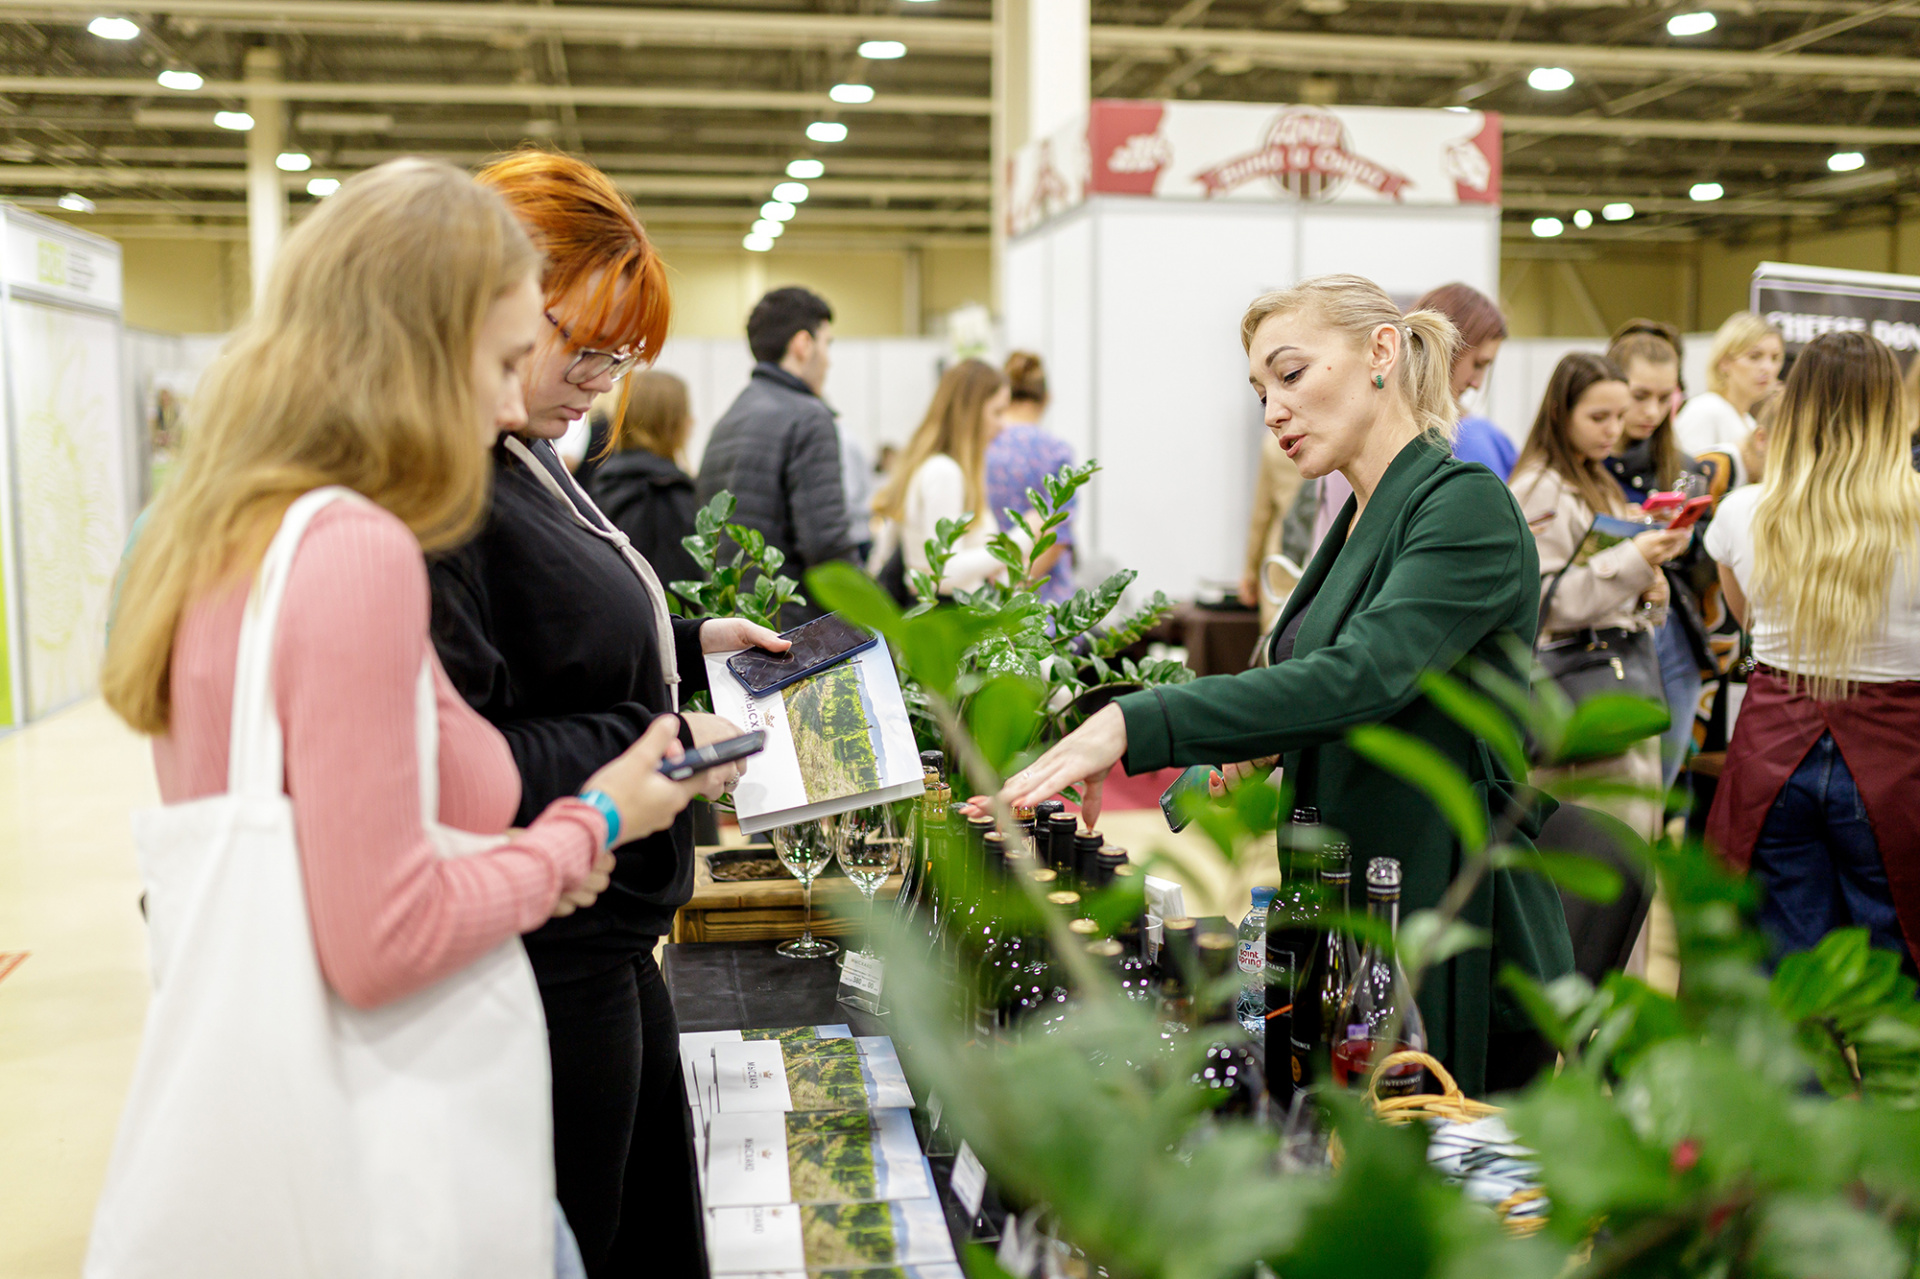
266,192
1042,67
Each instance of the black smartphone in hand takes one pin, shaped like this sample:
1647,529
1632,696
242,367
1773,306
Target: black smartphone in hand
1173,803
816,645
701,758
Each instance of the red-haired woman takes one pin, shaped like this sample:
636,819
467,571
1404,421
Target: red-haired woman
555,630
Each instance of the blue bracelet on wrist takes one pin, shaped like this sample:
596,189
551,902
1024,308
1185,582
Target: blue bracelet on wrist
602,801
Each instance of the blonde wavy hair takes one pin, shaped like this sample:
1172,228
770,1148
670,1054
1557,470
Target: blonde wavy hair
1356,306
356,369
956,424
1742,331
1839,510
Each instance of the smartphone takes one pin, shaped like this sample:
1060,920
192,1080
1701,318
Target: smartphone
816,646
701,758
1658,503
1691,512
1174,802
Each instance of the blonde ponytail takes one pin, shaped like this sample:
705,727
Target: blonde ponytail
1357,306
1432,342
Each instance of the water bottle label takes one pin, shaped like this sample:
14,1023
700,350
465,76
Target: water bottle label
1253,955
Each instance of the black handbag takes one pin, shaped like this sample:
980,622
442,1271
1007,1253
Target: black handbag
1589,662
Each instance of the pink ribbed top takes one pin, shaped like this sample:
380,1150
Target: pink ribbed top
389,915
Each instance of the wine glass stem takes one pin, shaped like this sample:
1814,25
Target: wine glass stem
870,893
806,897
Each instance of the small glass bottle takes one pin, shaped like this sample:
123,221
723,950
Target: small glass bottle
1378,998
1318,1006
1291,934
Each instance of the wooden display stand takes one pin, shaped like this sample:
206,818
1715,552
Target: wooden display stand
758,909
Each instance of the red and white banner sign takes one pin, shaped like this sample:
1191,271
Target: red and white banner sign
1245,151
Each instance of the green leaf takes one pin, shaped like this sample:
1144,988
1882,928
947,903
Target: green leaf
1420,765
1808,1237
1578,873
845,590
1610,723
1592,1161
1002,717
1480,716
1426,942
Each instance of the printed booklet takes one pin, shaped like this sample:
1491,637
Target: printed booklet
826,1074
790,1238
836,741
826,1156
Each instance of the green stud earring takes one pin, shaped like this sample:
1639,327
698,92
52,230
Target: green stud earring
1379,382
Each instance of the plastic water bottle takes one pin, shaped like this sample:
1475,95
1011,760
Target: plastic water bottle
1253,964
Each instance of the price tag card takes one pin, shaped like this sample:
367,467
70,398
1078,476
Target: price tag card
969,1181
863,973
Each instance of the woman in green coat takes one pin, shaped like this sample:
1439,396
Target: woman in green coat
1429,564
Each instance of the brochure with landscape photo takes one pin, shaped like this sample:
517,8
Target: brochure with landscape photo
826,1074
836,741
824,1156
793,1238
696,1048
1606,532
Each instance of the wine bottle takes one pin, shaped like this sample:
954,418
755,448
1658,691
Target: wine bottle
1086,860
1317,1008
990,937
1219,959
1378,999
1136,975
1061,828
1179,962
1291,935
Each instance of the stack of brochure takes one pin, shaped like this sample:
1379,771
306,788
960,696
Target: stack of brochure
807,1156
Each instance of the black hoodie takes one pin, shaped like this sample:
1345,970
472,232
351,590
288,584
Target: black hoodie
546,630
651,500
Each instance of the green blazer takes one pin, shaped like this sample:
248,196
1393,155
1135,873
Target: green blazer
1441,567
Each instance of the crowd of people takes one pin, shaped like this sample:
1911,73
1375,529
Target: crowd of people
410,678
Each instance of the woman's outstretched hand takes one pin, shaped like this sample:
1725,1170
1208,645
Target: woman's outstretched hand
1083,757
725,634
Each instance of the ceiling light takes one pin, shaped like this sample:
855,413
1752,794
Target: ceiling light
1582,219
239,121
757,243
1547,228
778,211
293,161
827,131
1550,79
322,187
852,94
806,169
74,202
882,50
1691,24
791,192
768,227
1619,211
1460,110
1846,161
184,81
113,28
1705,191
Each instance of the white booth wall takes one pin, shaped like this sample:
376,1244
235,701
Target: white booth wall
1135,304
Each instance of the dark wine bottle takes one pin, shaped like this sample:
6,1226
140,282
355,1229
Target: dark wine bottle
1086,860
1136,975
1291,934
1178,968
1378,999
1061,828
1219,957
1317,1004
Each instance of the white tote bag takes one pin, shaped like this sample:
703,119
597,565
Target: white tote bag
272,1130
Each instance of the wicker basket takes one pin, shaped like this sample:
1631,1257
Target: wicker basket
1453,1106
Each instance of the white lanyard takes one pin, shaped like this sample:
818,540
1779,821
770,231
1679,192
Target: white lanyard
606,532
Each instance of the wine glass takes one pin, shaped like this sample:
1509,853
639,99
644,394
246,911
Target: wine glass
805,850
870,846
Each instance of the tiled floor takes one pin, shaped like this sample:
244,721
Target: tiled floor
70,1014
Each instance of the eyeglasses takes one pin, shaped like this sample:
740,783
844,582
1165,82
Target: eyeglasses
589,364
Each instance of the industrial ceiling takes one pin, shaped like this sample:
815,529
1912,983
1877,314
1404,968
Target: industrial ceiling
1792,108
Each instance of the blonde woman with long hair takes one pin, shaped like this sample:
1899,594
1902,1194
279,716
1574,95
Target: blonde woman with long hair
357,404
1428,563
1819,561
1743,365
943,476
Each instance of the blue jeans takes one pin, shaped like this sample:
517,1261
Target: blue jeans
1818,863
1680,674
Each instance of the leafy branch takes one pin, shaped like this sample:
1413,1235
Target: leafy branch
748,559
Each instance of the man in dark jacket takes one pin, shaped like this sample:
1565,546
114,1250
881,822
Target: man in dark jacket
777,450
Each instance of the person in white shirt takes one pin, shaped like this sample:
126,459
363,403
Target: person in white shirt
1821,562
1743,364
942,476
